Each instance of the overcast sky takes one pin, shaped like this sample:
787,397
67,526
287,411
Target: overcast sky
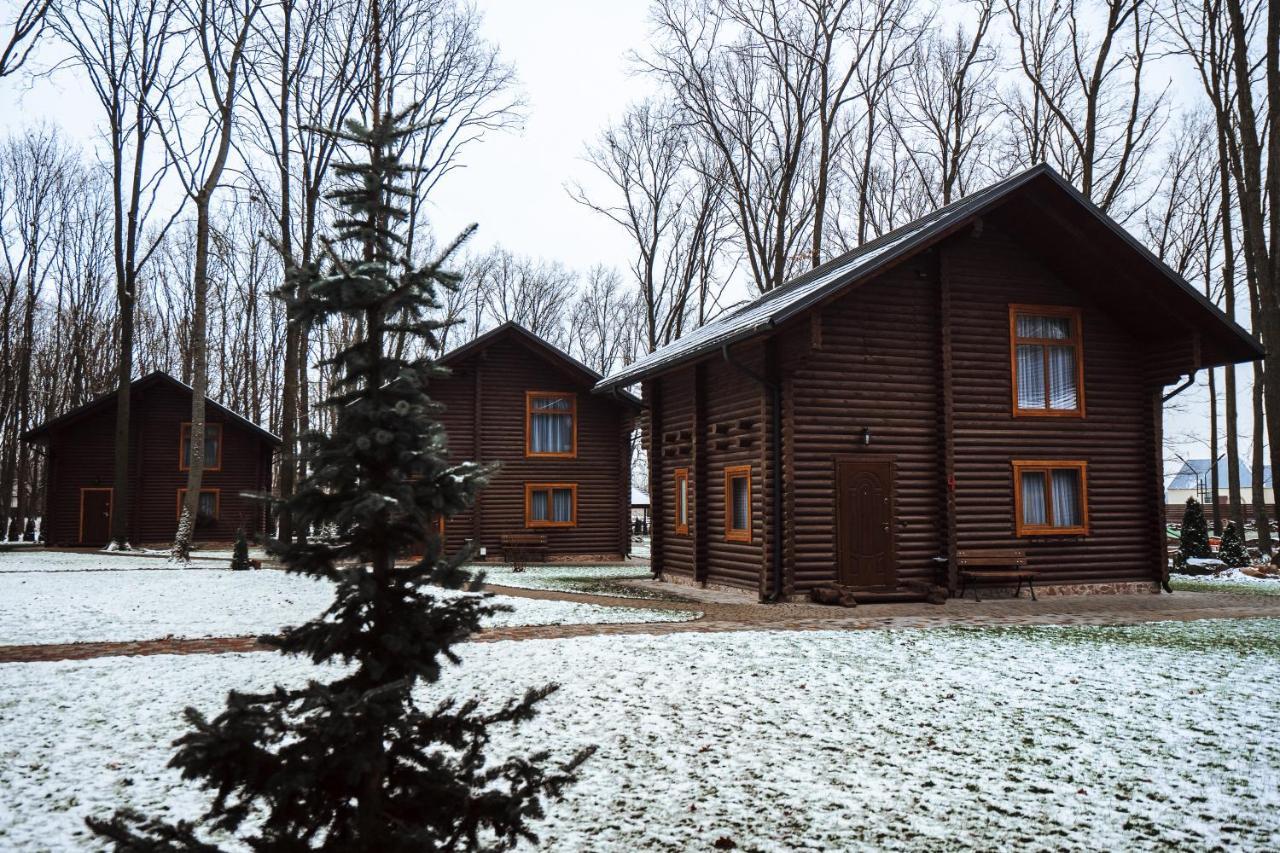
572,61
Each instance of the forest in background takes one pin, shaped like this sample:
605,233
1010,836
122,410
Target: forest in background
777,136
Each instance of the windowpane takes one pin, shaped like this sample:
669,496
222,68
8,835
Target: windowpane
741,504
1062,378
1034,326
683,503
1031,384
1066,498
208,505
1033,498
562,505
551,424
212,438
538,510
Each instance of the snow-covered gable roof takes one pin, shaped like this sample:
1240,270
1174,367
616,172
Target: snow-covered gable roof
1196,471
804,292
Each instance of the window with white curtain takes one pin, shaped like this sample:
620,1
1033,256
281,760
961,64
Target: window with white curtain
1050,497
682,500
550,504
1047,357
551,424
212,447
737,503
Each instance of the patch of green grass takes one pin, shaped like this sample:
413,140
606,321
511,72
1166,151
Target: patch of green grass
1239,636
1186,584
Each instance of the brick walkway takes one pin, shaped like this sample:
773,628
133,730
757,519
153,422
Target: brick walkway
724,612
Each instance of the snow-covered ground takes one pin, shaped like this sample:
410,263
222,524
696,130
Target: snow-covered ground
95,561
1149,738
75,606
595,580
1231,580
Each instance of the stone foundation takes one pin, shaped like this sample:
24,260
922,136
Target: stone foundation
685,580
1050,590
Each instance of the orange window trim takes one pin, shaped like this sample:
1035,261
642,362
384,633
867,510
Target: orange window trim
110,513
550,488
1046,467
731,533
1076,340
185,437
682,501
529,397
217,502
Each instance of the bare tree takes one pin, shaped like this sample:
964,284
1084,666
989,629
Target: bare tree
199,146
1085,108
949,107
533,293
24,31
128,55
602,321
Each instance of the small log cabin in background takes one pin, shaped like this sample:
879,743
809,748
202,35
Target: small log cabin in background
989,376
78,490
565,452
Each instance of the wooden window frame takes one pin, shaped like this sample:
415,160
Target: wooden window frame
110,515
681,502
529,397
217,502
184,436
530,488
1076,340
1047,466
732,534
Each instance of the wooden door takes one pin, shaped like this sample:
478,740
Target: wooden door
864,523
95,516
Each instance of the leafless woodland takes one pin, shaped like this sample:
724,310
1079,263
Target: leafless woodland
776,135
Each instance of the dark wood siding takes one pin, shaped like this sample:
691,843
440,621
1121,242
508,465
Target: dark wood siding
484,415
83,457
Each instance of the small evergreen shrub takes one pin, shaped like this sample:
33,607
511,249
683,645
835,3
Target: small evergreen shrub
1233,551
1195,532
240,556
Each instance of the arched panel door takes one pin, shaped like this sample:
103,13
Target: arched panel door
864,523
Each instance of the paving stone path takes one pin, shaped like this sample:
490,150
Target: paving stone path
736,612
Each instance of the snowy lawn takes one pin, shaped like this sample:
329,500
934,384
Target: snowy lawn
1231,580
591,580
1149,738
95,561
68,607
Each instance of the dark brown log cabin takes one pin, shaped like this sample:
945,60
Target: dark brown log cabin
80,446
863,422
564,452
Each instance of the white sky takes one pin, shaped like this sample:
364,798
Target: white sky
572,61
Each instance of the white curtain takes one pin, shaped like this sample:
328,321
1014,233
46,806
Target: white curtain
562,505
1066,498
1033,502
551,425
539,509
683,511
1054,328
1062,378
1030,376
741,504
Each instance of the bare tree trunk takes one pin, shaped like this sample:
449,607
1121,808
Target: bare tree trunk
1213,452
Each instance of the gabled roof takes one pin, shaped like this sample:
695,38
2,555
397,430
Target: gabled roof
821,283
1196,471
523,336
158,377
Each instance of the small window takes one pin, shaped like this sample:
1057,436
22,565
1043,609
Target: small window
1047,360
550,504
682,501
737,503
1051,498
212,447
208,508
551,424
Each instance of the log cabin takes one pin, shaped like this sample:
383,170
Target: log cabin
79,497
564,453
990,376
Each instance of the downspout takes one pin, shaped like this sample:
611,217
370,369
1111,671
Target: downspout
775,451
1191,378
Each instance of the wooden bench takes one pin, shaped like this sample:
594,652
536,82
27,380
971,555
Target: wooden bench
521,548
994,565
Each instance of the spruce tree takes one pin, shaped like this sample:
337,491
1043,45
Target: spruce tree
1195,532
1232,551
373,759
240,554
